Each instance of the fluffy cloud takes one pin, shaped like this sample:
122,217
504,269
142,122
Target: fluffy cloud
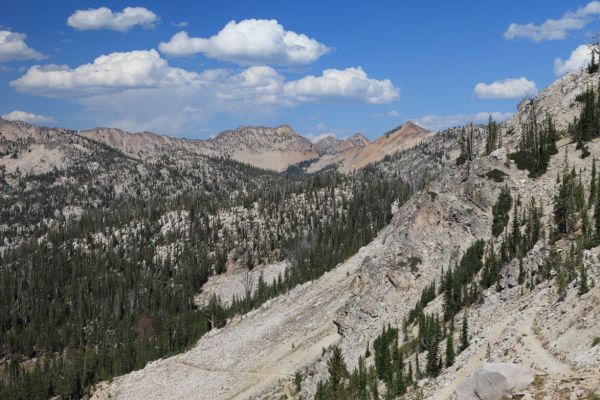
141,91
350,83
13,47
506,89
105,18
439,122
555,29
27,117
108,73
145,69
580,57
249,42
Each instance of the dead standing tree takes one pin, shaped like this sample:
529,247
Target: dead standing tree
248,282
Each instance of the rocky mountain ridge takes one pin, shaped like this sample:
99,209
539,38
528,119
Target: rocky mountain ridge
356,157
332,145
270,148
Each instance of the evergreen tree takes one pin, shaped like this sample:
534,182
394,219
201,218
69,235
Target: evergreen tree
593,196
583,281
338,373
500,211
585,128
450,355
567,203
466,144
494,138
562,282
399,378
537,145
521,277
433,335
593,65
464,333
417,367
597,219
515,235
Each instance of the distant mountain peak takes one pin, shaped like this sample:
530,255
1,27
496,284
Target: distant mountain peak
331,145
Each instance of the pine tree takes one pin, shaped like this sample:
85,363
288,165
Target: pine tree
464,333
466,144
298,381
399,381
585,127
417,367
433,347
450,355
492,140
500,211
583,281
538,143
561,283
515,236
567,202
592,66
521,277
597,219
337,373
592,198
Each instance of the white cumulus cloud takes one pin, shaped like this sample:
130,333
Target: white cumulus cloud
27,117
13,47
145,69
439,122
506,89
108,73
141,91
555,29
249,42
349,83
580,57
105,18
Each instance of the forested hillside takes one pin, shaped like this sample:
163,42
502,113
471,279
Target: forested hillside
102,258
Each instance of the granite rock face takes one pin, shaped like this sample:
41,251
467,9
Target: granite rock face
492,381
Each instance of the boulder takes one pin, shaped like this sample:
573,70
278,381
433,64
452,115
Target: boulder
491,381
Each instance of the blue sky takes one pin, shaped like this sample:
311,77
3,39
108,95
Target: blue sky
322,67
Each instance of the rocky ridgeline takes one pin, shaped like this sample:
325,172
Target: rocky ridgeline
259,146
333,145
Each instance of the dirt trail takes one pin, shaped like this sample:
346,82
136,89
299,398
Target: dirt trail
528,347
287,391
476,359
231,371
536,355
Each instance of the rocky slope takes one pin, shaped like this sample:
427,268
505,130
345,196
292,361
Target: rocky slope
256,356
252,355
268,148
332,145
356,157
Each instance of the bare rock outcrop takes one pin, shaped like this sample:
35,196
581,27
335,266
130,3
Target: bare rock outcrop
492,381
